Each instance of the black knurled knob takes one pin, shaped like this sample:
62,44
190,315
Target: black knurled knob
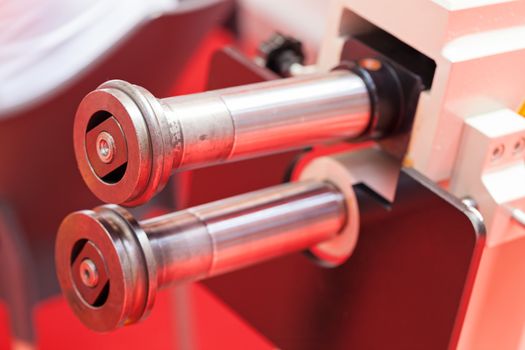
280,52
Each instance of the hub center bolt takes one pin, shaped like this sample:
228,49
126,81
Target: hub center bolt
88,273
105,147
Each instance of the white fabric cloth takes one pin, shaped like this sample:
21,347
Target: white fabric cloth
46,43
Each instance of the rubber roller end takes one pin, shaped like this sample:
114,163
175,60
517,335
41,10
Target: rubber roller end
119,135
105,267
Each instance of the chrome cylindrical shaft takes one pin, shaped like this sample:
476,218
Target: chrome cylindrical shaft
145,139
246,121
243,230
110,266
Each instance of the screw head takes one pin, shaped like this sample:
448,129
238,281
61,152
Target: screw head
105,147
88,273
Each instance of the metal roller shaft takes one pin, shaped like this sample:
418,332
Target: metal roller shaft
268,117
127,142
110,266
243,230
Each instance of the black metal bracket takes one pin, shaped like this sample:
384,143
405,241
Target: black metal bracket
406,286
394,92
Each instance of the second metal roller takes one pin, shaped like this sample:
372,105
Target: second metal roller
111,266
127,142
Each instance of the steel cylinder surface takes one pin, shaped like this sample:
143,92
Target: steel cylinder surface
127,142
110,266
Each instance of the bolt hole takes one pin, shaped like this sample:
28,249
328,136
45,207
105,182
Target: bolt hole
519,146
498,152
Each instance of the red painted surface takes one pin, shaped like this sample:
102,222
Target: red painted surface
217,327
58,328
195,74
5,337
210,324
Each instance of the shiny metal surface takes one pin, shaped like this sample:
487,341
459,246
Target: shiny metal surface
242,230
197,130
133,259
272,116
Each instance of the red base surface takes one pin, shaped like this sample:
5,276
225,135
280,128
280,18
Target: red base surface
5,337
201,322
58,328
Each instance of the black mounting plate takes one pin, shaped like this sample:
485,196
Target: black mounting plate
405,287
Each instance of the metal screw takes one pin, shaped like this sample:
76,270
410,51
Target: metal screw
105,147
88,273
